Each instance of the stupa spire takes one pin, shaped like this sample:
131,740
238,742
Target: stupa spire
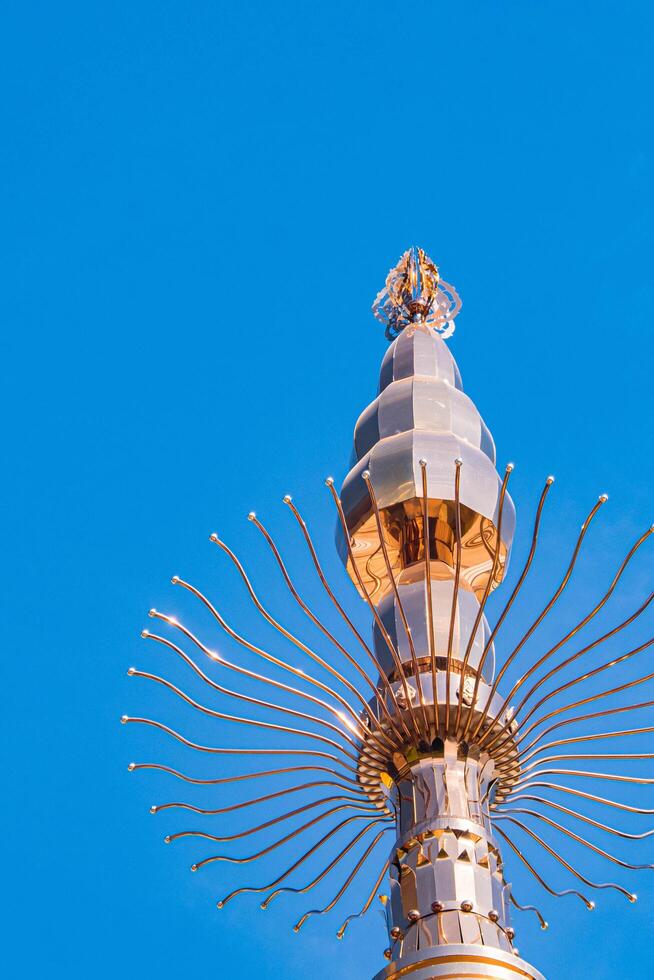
416,751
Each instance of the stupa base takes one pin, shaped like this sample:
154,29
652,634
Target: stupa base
459,962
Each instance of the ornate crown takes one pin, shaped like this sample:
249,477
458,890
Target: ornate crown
414,291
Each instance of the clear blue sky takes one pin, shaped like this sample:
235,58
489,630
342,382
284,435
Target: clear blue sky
200,201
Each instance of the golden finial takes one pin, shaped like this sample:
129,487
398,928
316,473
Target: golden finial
414,291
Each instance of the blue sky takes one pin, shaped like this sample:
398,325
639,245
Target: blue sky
200,203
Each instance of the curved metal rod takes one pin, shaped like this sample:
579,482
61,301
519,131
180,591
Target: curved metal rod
578,718
589,700
259,799
529,908
600,605
296,864
146,634
507,608
400,606
354,785
126,720
604,756
399,667
566,663
291,637
429,612
321,575
575,704
548,607
585,796
304,733
480,612
458,463
176,580
611,777
595,737
428,599
587,881
330,636
575,656
366,906
557,894
345,803
581,840
279,685
346,884
578,816
323,874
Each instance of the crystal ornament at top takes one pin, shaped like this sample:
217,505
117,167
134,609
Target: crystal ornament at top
414,291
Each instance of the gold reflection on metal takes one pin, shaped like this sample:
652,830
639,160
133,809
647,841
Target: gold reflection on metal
539,619
302,674
400,607
428,600
458,463
558,894
570,790
562,723
584,774
296,864
530,908
404,536
487,590
243,804
566,864
353,784
346,803
322,874
346,884
367,903
596,736
126,719
579,840
391,646
514,798
523,575
395,721
326,632
305,733
415,292
283,709
428,745
589,700
320,661
546,656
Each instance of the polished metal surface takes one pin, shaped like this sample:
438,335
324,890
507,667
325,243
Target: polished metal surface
447,865
421,413
410,751
422,450
460,961
412,587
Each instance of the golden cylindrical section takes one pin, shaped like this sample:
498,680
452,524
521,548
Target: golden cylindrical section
403,535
